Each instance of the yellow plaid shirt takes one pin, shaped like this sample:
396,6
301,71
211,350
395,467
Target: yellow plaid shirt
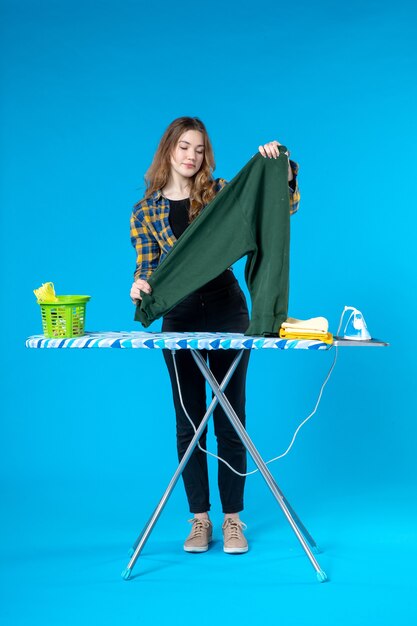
150,230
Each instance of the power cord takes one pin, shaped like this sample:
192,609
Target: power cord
295,433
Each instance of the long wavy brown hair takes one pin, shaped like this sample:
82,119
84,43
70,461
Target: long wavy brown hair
202,184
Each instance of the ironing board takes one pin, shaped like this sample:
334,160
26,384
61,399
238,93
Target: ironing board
196,341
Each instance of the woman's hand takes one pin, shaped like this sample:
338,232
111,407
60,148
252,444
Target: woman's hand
271,150
138,286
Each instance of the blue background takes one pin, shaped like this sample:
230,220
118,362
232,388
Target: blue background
88,437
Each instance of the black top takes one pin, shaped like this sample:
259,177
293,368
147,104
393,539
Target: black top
178,216
179,221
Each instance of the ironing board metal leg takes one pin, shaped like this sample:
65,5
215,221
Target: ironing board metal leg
269,479
313,545
143,537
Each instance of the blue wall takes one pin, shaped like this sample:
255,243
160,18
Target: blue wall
88,89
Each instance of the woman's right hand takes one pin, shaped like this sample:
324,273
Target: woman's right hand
138,286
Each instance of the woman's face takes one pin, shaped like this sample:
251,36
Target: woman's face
188,155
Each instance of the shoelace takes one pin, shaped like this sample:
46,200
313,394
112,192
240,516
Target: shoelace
199,525
234,527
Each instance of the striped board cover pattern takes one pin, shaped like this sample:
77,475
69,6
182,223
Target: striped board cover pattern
175,341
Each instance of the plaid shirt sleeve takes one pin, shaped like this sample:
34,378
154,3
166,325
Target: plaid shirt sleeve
220,183
294,190
145,244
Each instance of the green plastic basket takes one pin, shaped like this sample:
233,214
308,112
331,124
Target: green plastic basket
64,318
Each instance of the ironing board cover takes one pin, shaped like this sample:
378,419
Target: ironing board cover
175,341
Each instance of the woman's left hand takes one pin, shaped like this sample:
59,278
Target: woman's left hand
271,150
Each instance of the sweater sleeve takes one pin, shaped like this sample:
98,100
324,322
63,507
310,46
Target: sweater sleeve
292,184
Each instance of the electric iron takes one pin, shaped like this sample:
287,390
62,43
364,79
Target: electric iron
355,327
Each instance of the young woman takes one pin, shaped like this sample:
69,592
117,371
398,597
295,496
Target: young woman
179,185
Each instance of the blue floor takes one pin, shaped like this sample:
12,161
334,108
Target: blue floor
64,548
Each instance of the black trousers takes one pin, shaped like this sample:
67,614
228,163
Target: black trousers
224,310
